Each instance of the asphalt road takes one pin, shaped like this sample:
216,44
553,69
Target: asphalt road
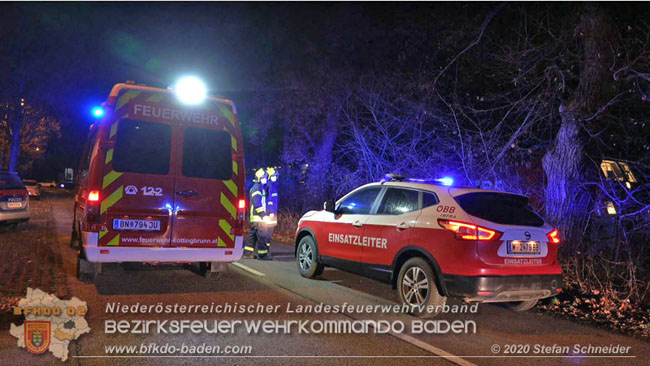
278,283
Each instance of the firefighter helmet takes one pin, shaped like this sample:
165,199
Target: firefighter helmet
261,176
272,173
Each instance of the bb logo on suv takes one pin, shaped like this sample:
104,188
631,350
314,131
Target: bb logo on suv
432,241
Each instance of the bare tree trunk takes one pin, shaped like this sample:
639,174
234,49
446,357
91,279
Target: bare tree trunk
320,169
14,147
562,167
562,163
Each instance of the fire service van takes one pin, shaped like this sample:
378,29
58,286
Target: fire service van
161,179
432,240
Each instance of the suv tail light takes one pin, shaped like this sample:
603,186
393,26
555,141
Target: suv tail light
241,208
554,236
465,231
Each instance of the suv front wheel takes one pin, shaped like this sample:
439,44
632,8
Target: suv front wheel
308,266
417,287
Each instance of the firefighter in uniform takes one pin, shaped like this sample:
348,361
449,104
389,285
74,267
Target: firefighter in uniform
272,201
259,235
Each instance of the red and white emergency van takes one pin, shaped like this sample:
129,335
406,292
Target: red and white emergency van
160,180
432,241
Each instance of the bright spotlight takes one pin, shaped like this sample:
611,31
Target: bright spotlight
98,112
190,90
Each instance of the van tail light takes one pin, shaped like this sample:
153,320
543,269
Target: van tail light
241,209
92,212
93,196
554,236
465,231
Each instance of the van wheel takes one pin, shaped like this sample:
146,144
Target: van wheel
306,258
75,239
86,271
416,285
521,305
205,270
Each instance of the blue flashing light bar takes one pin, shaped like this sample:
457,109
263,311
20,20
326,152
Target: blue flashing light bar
446,181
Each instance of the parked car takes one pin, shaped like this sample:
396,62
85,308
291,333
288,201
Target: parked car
33,188
67,185
48,183
432,241
14,200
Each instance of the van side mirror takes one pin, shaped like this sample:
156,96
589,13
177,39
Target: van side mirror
329,206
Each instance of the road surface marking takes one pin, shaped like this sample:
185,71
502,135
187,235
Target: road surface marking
248,269
440,353
427,347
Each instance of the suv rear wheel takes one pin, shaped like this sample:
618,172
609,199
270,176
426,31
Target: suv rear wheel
521,305
306,258
417,287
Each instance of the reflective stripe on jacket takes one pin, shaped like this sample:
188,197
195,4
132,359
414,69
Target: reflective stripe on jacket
258,202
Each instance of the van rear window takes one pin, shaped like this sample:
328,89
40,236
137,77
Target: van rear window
500,208
207,154
142,147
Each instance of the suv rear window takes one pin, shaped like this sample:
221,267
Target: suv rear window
10,181
500,208
207,154
142,147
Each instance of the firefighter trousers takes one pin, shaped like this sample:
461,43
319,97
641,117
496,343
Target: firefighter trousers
259,239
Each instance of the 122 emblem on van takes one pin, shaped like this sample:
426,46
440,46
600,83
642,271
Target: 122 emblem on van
146,191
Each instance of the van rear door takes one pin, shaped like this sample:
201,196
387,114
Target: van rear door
137,193
206,190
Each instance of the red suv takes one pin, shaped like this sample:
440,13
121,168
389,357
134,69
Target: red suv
432,241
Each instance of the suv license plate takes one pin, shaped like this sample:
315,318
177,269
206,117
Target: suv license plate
523,247
136,225
14,204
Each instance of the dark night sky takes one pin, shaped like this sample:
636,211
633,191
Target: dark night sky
233,46
237,48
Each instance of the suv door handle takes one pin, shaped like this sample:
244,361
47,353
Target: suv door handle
402,226
188,193
357,223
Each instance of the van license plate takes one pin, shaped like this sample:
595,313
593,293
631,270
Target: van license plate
136,225
523,247
14,204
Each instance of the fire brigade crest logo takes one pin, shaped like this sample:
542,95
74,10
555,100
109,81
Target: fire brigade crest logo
37,336
50,323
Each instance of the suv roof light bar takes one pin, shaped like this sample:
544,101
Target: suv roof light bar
445,181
